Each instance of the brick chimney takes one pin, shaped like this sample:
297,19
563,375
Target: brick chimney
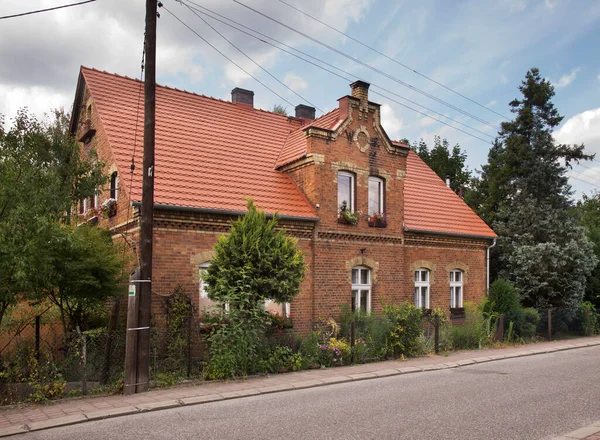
242,96
360,90
305,112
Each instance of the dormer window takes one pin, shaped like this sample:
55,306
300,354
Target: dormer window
114,186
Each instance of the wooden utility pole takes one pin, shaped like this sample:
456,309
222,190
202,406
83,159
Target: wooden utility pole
137,352
147,209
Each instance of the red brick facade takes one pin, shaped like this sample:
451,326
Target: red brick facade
184,237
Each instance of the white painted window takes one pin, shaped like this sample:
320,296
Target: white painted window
202,270
114,186
361,289
456,288
346,190
375,195
422,288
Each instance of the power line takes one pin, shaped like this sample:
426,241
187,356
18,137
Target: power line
334,73
255,63
226,57
368,66
392,59
46,10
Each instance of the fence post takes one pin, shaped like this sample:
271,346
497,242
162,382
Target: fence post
550,324
37,338
352,337
587,320
436,334
500,331
189,343
83,362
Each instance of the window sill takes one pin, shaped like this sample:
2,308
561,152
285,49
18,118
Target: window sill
457,312
343,221
377,224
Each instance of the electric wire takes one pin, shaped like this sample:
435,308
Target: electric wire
46,10
226,57
334,67
368,66
249,58
392,59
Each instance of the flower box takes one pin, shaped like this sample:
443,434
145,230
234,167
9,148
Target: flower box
109,208
377,220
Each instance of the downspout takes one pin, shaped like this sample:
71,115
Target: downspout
487,289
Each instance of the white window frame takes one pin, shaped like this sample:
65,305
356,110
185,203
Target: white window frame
420,284
456,284
114,188
381,183
352,185
202,287
359,287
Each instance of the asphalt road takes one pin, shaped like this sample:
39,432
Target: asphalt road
535,397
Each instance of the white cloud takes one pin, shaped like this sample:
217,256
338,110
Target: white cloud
390,122
581,128
567,79
549,4
38,100
491,103
295,82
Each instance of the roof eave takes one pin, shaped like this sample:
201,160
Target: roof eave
224,212
452,234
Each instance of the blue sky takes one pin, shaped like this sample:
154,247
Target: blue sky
481,49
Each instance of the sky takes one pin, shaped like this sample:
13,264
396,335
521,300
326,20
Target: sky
480,49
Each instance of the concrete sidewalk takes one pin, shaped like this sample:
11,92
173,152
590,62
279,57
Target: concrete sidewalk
22,419
591,432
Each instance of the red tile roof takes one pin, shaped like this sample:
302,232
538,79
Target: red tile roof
430,206
215,154
209,153
295,145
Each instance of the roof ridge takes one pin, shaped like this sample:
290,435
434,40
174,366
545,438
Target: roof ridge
185,91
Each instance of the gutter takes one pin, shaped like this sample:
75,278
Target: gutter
487,289
451,234
223,212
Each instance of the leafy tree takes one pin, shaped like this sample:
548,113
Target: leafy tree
280,109
588,212
84,270
444,162
524,194
254,263
42,174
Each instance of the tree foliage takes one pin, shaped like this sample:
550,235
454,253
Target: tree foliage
588,212
280,109
255,262
445,162
42,174
524,194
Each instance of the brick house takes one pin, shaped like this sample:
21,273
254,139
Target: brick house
430,248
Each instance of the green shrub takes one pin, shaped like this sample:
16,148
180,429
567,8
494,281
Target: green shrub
310,350
580,323
405,331
525,322
372,330
503,297
477,331
282,358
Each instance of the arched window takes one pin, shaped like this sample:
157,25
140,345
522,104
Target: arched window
422,288
361,289
376,186
456,288
114,186
345,191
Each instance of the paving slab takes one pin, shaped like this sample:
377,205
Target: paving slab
583,432
60,421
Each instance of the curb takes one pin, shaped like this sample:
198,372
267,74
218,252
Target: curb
581,433
198,400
